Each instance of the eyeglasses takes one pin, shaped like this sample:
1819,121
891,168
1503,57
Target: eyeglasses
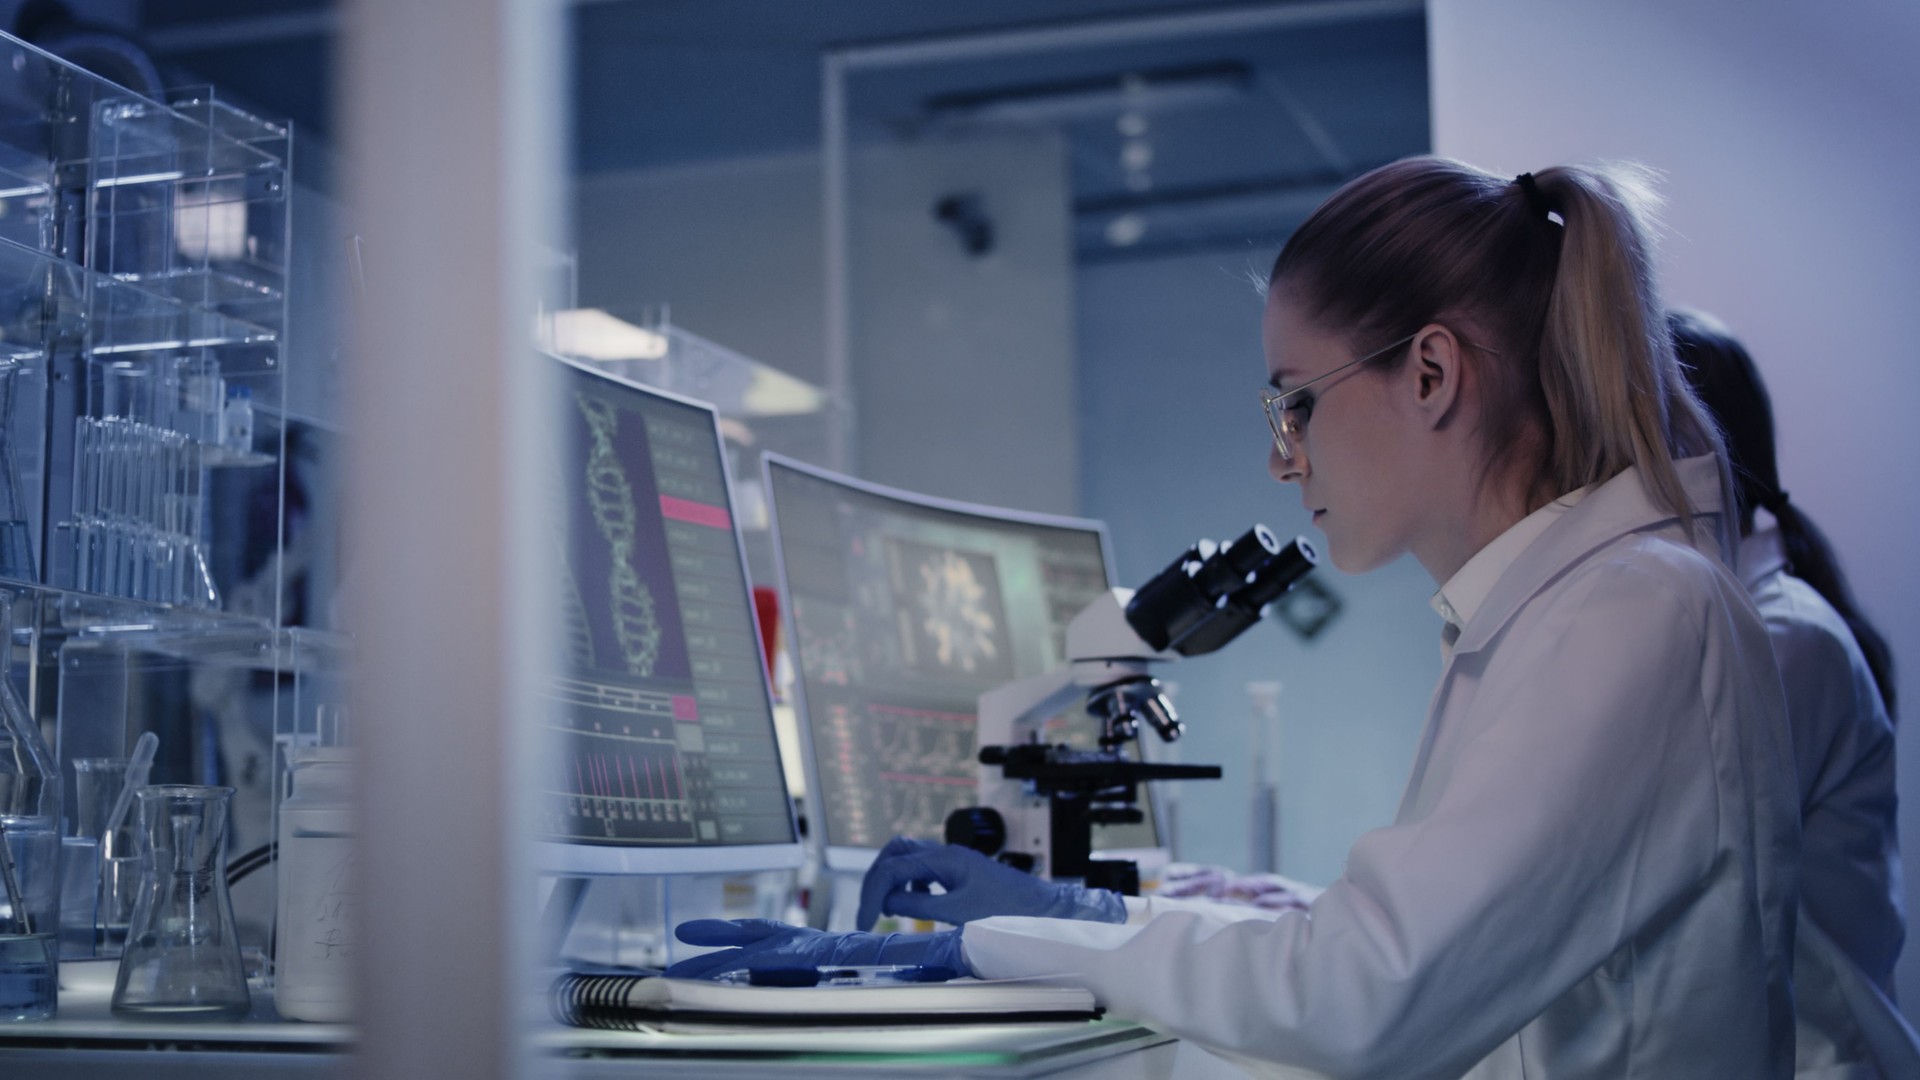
1287,414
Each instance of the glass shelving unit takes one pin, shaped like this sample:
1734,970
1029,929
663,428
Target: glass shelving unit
144,263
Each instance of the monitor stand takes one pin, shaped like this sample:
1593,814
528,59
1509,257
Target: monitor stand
556,917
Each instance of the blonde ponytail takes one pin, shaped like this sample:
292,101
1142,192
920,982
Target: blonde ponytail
1613,387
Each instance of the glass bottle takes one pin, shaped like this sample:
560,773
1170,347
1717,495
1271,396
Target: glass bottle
29,851
182,958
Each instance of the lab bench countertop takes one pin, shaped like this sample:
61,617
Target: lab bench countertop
87,1041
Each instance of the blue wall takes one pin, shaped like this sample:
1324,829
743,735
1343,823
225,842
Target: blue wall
1173,448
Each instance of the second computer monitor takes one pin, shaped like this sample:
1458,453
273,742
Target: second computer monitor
903,610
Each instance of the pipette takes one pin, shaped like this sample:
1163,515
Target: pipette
137,769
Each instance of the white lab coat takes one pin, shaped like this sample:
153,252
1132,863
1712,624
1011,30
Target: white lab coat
1851,926
1591,873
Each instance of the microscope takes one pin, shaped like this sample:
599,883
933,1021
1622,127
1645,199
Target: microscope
1038,802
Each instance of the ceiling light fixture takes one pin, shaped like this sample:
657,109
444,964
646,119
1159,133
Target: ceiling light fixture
592,334
1126,230
1135,93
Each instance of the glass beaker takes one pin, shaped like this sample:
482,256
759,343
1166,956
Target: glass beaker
29,850
182,958
90,851
96,786
29,779
16,533
29,918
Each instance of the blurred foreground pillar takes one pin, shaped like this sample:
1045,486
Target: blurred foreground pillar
451,156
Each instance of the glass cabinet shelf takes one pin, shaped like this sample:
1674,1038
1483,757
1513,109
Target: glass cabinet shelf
146,499
43,296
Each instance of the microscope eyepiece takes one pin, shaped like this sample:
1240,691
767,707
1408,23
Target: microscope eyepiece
1273,575
1227,567
1210,594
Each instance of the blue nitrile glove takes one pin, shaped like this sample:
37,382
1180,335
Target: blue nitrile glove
977,888
764,943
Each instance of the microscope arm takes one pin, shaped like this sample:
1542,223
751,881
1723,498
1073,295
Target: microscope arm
1008,714
1039,803
1101,649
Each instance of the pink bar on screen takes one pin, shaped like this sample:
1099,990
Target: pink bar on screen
696,513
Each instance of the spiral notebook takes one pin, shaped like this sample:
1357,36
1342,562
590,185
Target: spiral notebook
640,1002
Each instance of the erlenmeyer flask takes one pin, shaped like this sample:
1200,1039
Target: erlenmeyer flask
182,958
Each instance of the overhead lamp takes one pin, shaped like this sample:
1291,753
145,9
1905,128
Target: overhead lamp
592,334
1136,93
1199,215
776,393
1126,230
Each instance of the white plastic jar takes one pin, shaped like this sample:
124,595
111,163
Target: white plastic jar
317,932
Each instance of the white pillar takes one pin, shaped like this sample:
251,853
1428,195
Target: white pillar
453,145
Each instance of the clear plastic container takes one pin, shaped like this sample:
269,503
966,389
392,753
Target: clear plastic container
315,937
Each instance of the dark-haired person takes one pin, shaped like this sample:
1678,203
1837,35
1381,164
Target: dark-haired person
1591,873
1838,676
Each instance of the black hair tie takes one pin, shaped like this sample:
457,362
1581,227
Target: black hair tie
1774,501
1535,200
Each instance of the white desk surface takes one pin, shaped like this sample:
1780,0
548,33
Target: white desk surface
86,1039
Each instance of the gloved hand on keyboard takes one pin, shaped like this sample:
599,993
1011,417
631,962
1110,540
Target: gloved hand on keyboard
977,887
764,943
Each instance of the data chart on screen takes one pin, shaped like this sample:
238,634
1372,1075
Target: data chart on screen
904,610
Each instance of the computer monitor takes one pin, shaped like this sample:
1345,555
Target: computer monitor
901,610
664,757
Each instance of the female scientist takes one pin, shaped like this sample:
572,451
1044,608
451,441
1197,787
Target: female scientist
1838,676
1591,873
